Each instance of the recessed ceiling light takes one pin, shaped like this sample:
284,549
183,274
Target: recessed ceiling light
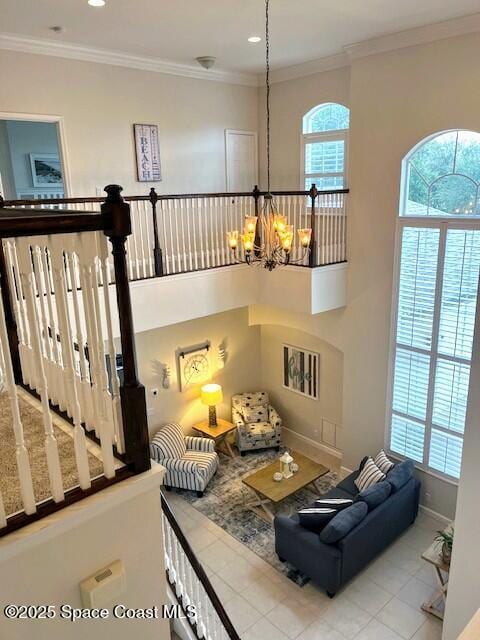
254,39
96,3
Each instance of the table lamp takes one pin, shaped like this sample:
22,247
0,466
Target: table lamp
212,395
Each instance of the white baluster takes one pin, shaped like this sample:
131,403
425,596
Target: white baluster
89,286
3,516
57,365
23,464
86,401
115,395
81,457
182,226
51,447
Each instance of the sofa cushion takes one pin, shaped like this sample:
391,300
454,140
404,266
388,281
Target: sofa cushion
337,492
315,518
400,474
255,414
343,523
334,503
369,475
383,462
373,496
168,442
363,462
348,484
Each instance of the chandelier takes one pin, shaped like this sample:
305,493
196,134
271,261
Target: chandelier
268,239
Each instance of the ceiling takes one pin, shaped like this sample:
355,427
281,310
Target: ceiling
181,30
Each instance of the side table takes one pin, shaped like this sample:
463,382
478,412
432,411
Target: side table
219,434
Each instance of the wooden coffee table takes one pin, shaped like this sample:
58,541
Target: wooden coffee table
269,492
219,434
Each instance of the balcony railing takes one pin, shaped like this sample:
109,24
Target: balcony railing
174,234
56,341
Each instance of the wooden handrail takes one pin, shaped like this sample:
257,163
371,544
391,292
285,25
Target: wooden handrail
200,572
472,630
175,196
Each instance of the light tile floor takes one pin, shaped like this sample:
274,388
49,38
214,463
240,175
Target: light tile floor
382,603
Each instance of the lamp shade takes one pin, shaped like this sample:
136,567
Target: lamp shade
211,394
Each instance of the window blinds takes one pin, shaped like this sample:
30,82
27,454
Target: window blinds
436,305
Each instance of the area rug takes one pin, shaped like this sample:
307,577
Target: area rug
224,503
34,440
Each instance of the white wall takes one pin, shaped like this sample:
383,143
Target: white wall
44,563
299,413
100,104
396,99
464,585
241,371
6,171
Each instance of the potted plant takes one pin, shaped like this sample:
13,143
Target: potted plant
446,540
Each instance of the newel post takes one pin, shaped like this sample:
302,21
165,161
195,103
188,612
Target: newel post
117,226
258,238
157,251
312,259
10,320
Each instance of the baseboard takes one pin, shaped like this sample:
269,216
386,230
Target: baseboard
317,445
434,514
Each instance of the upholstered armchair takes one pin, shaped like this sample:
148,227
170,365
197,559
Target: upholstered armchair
258,424
190,462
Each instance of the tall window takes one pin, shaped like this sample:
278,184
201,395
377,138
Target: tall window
324,146
437,278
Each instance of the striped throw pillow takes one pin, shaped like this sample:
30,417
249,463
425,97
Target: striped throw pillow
383,462
168,442
369,475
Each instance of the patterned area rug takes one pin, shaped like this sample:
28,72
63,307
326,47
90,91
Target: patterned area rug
224,503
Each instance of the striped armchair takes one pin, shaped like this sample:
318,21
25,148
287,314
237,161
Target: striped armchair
190,462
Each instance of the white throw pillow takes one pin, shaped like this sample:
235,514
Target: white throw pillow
369,475
383,462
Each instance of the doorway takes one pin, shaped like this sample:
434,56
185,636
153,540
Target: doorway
32,163
241,160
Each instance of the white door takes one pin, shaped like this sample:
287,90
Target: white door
241,160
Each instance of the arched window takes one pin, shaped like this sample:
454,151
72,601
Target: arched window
436,283
324,146
442,176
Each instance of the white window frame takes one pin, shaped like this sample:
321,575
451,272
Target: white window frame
323,136
443,224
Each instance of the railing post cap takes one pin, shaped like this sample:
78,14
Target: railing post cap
113,193
153,195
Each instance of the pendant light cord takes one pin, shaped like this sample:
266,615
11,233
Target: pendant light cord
267,79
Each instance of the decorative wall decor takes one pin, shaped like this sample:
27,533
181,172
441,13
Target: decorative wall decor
147,150
46,170
301,371
193,365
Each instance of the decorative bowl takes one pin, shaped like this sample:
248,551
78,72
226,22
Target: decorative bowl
277,476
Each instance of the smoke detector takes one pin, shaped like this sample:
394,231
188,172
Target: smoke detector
206,62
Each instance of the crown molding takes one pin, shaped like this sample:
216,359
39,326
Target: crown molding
41,46
413,37
381,44
337,61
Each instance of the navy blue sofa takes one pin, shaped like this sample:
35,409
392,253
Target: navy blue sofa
332,565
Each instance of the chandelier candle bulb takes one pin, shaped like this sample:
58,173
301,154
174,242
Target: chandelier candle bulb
248,240
250,224
279,223
305,236
232,237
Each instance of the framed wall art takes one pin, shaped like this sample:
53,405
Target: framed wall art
147,149
193,364
46,170
301,371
